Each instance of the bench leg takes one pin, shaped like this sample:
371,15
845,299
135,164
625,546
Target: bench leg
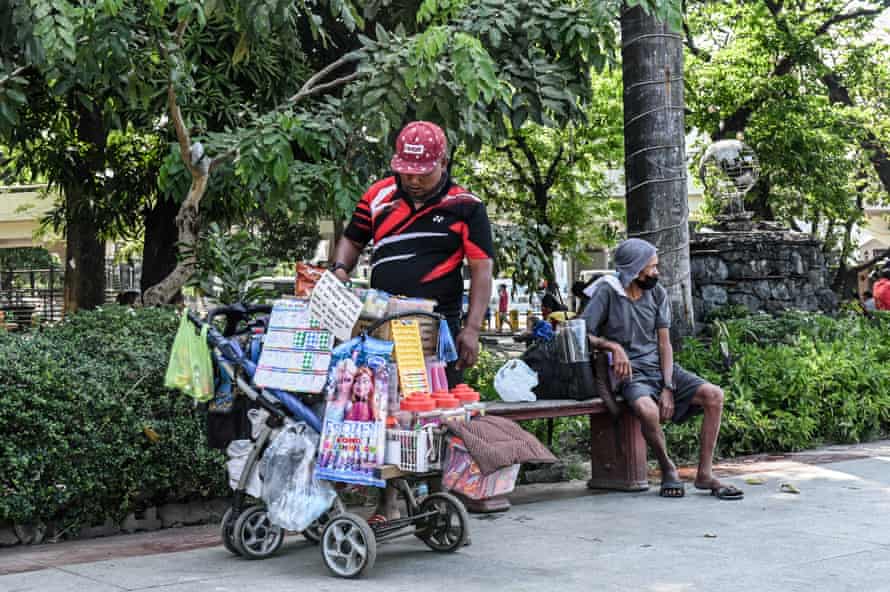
617,465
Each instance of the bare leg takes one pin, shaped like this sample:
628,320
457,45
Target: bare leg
710,398
646,410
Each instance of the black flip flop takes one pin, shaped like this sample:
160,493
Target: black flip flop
728,492
672,489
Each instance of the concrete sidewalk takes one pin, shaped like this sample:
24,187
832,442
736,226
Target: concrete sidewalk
834,535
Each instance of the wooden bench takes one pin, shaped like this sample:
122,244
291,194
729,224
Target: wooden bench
616,463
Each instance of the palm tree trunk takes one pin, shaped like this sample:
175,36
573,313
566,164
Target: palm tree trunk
655,150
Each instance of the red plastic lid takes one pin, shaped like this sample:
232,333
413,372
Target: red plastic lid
447,403
467,396
418,404
409,404
425,405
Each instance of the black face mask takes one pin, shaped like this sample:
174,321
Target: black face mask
648,283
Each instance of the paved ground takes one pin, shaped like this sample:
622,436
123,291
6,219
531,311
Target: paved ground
834,535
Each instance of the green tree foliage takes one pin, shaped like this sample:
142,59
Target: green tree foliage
226,264
805,86
258,86
548,186
477,68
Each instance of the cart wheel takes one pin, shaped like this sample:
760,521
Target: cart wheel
227,530
348,546
448,530
254,536
314,531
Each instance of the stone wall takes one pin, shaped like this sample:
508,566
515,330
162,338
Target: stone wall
764,270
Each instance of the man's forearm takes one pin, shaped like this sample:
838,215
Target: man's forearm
666,356
601,343
347,253
480,291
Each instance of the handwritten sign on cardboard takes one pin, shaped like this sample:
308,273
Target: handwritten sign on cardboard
334,306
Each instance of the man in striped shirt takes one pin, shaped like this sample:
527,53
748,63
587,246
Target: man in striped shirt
422,226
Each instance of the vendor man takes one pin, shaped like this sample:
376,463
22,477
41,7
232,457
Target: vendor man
422,226
629,314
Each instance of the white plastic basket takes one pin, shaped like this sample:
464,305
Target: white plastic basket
414,451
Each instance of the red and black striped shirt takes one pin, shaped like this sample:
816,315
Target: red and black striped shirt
419,252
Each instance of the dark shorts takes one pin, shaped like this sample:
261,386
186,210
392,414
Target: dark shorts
643,384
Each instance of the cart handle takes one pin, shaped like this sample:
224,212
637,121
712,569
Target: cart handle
235,313
400,315
233,354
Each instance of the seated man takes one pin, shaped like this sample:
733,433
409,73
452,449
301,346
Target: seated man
630,316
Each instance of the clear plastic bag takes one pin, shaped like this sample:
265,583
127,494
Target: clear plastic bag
190,369
294,497
515,381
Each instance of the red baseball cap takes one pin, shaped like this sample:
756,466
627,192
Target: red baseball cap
419,147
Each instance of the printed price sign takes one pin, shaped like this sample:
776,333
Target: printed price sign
334,306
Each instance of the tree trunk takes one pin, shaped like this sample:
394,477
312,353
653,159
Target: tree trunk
159,252
85,256
655,153
84,286
188,226
542,199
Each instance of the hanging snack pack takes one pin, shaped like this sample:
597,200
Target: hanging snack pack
354,432
296,352
306,278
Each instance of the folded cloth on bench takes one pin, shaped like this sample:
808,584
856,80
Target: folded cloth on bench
496,442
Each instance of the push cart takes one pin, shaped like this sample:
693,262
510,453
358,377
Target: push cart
348,542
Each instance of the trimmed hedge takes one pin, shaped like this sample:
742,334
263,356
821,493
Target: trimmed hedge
87,429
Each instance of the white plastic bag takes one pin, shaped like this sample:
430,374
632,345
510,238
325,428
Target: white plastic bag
515,381
238,452
294,497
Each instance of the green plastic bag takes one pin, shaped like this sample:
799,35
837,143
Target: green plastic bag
190,369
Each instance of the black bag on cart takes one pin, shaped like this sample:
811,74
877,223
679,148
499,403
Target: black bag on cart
558,379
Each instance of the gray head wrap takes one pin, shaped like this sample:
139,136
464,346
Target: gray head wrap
631,257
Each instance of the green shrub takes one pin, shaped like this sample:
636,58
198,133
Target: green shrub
80,404
481,376
793,381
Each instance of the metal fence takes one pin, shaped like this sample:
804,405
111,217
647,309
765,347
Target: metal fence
29,295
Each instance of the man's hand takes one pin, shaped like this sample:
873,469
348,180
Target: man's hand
666,405
342,275
467,347
621,363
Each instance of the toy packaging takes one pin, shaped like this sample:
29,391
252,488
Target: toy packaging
358,392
